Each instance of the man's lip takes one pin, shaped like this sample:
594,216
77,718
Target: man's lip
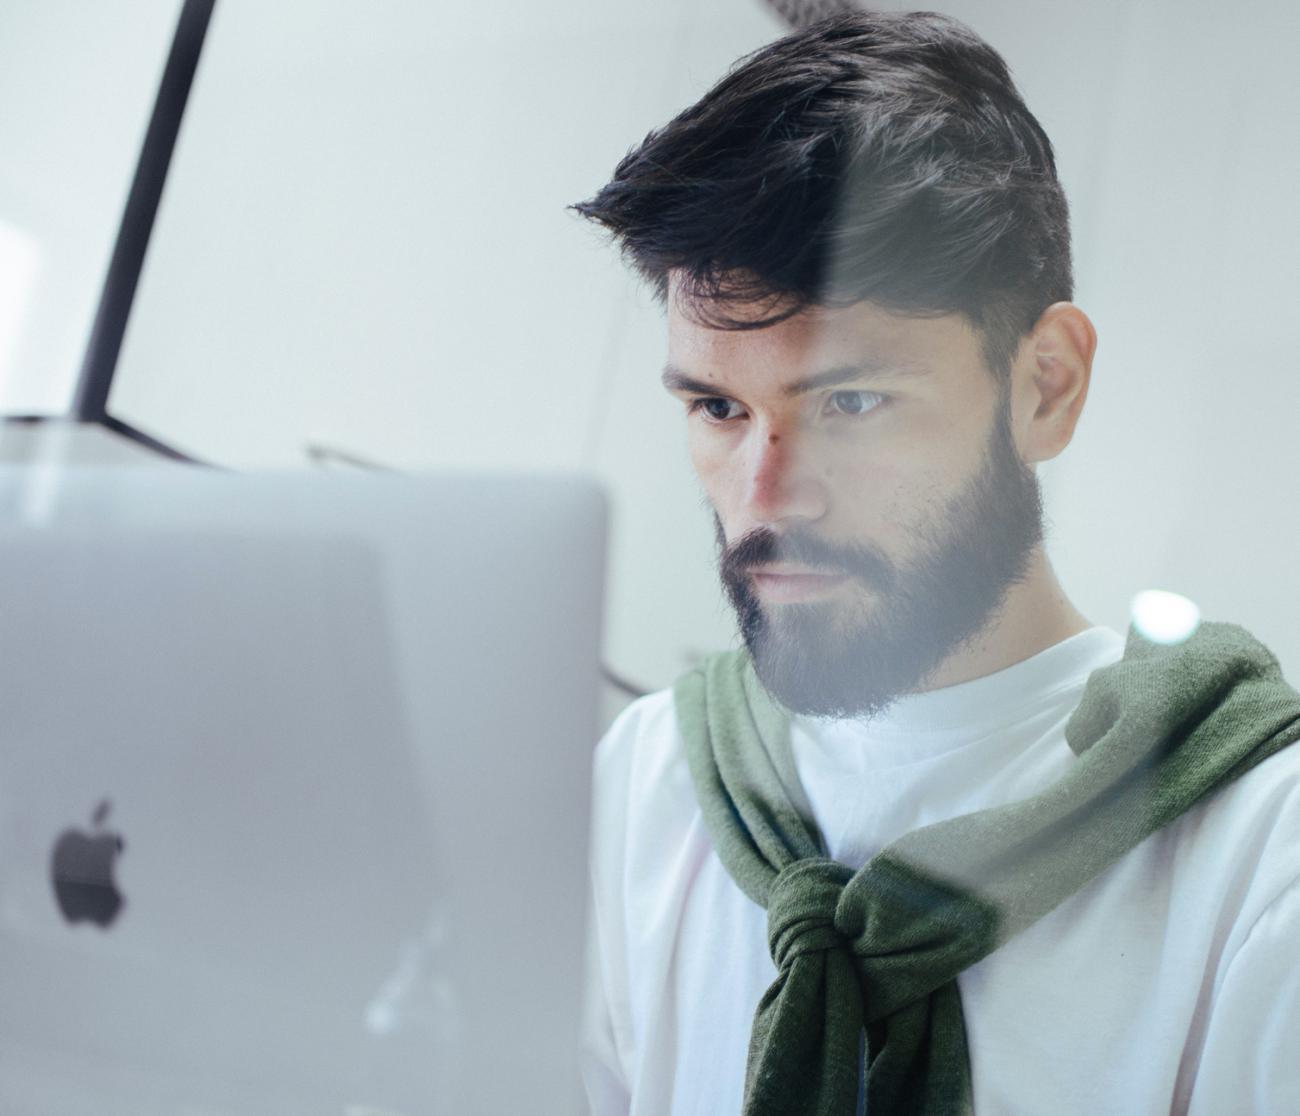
786,584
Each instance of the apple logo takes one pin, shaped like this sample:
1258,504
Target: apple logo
82,871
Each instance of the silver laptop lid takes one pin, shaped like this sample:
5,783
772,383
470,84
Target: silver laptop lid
331,736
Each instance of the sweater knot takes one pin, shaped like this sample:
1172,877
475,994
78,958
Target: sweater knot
801,909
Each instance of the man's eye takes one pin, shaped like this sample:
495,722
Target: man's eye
716,409
853,402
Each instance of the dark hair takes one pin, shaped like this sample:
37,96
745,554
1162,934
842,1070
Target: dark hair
874,156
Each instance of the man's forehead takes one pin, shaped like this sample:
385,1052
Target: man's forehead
816,344
796,383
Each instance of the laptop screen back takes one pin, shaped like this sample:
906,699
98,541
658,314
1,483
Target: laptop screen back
293,791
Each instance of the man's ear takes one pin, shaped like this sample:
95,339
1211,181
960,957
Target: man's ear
1050,378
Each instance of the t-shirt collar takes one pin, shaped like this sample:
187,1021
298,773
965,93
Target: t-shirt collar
1003,697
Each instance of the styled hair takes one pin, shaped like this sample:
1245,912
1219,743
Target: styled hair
870,156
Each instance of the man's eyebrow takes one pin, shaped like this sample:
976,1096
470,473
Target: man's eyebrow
855,373
675,379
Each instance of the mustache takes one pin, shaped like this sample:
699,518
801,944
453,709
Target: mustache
763,546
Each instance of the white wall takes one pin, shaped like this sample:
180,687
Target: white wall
77,82
365,245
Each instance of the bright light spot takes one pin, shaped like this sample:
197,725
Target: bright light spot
20,259
1165,617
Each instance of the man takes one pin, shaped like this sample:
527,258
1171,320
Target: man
934,842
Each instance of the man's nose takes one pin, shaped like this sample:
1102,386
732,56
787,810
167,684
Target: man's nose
784,480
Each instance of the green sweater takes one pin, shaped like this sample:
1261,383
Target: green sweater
865,994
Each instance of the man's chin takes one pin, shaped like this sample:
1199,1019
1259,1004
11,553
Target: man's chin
813,665
822,627
803,687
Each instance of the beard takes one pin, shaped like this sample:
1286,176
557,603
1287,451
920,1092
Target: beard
830,659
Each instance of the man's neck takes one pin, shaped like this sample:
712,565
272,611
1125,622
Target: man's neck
1035,615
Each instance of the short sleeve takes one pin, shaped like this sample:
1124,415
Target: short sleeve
602,1072
604,1030
1249,1061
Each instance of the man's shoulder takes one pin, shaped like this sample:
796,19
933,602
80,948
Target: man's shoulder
647,831
644,730
1247,835
1265,798
644,752
640,773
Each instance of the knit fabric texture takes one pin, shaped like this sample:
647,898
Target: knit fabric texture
865,1001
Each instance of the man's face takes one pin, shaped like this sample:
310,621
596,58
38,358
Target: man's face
872,509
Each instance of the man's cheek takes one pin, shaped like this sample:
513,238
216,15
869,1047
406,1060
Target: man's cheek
722,498
710,466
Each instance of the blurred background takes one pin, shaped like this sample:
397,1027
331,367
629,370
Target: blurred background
363,256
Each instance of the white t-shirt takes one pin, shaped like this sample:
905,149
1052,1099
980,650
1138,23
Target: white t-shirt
1169,983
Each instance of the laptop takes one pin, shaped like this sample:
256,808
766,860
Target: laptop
294,791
